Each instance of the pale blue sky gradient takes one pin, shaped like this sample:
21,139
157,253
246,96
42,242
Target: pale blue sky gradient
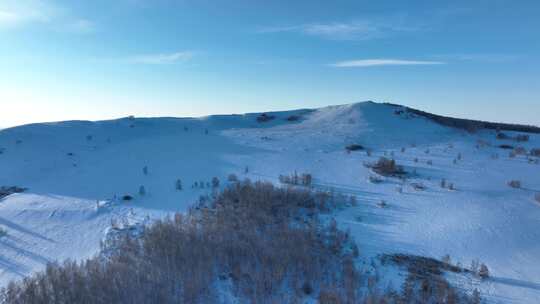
102,59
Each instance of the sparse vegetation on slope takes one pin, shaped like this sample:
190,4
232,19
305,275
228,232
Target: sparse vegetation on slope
5,191
256,242
387,167
247,237
467,124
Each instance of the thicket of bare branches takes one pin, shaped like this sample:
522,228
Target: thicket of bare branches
259,239
261,243
387,167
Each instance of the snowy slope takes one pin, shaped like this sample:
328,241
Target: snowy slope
68,166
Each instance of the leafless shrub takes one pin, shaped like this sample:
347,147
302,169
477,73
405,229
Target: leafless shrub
215,182
3,232
443,183
501,135
375,179
353,201
265,117
520,151
522,137
535,152
426,282
382,204
483,271
387,167
514,184
418,186
507,147
354,147
293,118
142,191
537,197
232,178
402,149
429,162
330,296
305,179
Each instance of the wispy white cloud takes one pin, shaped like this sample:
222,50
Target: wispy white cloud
381,62
23,12
16,14
355,30
171,58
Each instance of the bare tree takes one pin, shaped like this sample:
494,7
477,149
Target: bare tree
142,191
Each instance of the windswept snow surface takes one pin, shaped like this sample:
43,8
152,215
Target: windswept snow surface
77,171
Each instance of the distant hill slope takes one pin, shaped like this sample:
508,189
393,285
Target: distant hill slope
77,172
469,124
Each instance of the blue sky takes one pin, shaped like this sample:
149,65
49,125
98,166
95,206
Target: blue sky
103,59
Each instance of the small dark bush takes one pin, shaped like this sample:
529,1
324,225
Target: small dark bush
127,197
501,135
307,289
522,137
232,178
375,179
215,182
508,147
3,232
535,152
537,197
354,147
293,118
418,186
387,167
305,179
483,272
514,184
5,191
520,151
265,117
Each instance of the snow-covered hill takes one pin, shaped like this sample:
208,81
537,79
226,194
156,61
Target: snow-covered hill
77,172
